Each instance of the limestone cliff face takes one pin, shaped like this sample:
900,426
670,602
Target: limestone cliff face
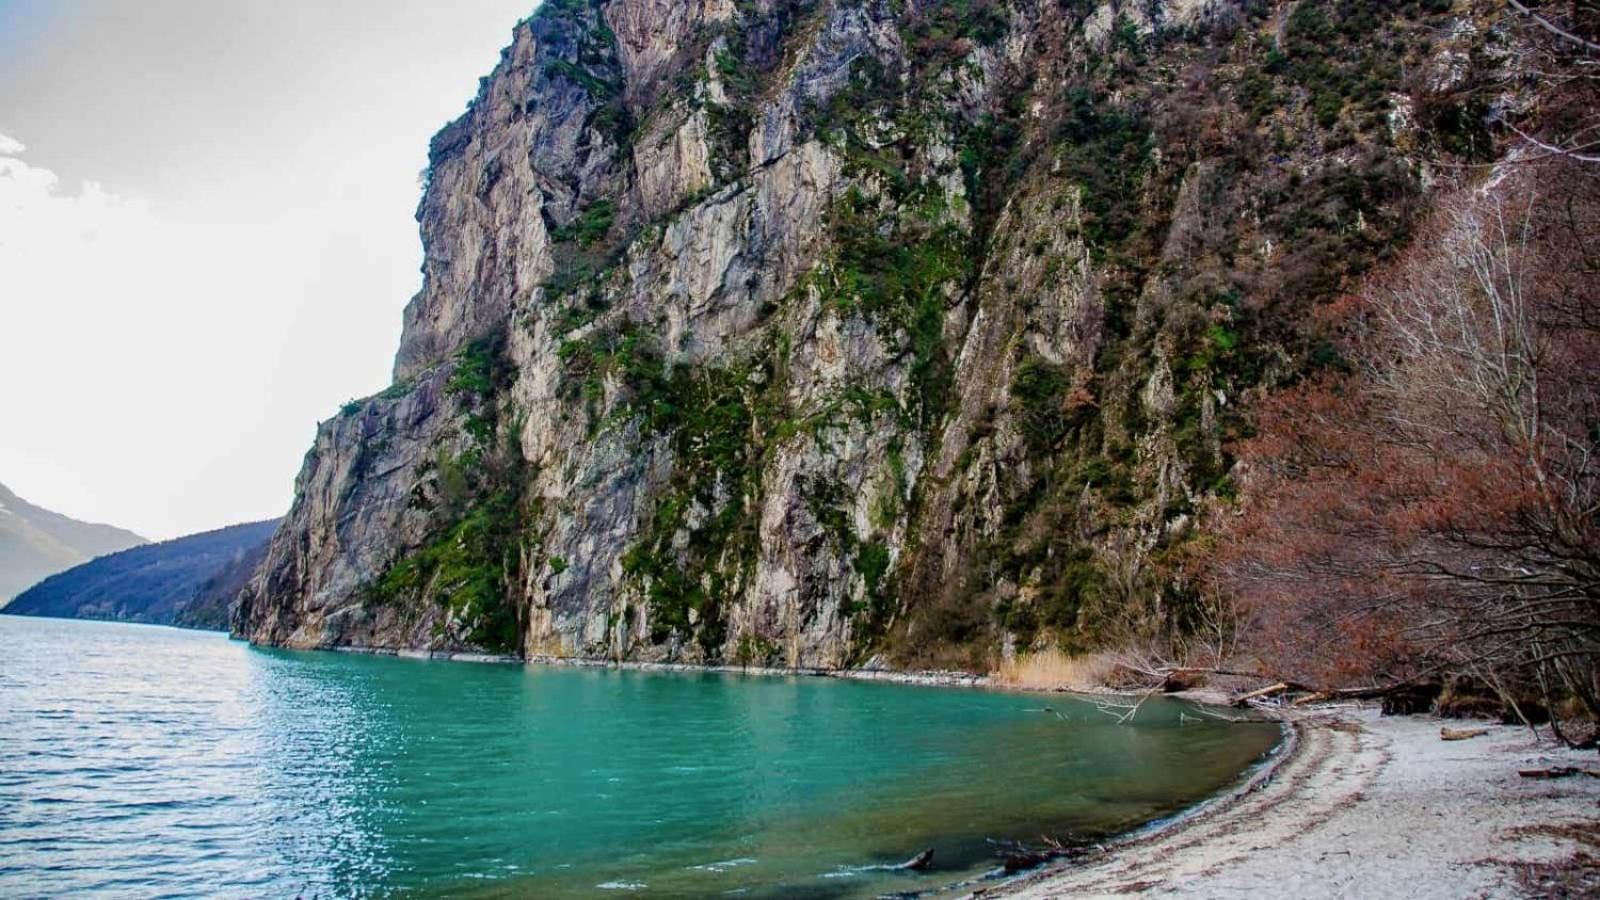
794,332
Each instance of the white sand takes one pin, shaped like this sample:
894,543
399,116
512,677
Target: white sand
1364,806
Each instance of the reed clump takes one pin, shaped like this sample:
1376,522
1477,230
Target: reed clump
1054,669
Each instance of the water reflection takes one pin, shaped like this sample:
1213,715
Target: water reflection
139,760
323,745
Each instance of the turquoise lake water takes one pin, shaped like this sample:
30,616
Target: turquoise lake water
144,761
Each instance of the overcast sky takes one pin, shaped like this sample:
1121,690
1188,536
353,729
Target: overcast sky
206,236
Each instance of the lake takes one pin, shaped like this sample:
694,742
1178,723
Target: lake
138,760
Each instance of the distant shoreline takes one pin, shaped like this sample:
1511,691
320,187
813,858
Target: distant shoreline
892,676
1200,696
107,620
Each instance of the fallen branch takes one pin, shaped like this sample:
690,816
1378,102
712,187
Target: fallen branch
1558,772
1216,714
1461,734
1313,697
1309,695
1016,856
1029,859
1267,691
1124,708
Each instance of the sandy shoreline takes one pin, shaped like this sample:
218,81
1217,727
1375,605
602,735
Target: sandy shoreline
1364,806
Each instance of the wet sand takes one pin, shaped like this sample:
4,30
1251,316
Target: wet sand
1365,806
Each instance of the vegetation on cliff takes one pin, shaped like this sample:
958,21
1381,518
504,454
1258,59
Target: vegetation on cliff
468,566
805,333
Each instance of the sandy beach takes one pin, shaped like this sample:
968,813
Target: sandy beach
1367,806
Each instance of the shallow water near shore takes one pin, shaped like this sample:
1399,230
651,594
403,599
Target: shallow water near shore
142,760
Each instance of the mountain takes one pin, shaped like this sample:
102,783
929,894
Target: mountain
181,581
36,542
212,601
813,333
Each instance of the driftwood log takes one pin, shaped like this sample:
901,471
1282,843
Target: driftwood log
918,863
1461,734
1018,860
1558,772
1016,856
1268,691
1398,699
1402,698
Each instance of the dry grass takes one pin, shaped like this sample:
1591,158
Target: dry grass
1055,670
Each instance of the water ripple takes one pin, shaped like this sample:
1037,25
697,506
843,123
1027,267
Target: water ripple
153,762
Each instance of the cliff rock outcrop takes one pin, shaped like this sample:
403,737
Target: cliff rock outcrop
796,333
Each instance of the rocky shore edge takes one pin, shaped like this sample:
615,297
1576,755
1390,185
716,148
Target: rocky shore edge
892,676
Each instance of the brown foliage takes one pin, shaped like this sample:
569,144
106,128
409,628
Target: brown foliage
1436,505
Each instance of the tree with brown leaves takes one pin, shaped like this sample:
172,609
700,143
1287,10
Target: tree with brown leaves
1435,506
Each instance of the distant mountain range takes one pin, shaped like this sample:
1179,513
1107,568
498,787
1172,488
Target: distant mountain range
186,581
35,542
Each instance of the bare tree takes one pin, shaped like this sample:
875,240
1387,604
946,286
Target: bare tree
1561,55
1438,507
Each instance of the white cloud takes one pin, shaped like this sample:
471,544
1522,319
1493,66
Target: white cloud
39,223
152,360
212,252
129,343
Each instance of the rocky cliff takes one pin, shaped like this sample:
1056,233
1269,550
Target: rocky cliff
794,332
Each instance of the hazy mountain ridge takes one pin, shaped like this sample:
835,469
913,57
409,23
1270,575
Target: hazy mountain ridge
170,582
35,543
